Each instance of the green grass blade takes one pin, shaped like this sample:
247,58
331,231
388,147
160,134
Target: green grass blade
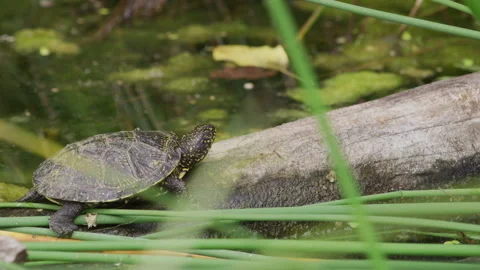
453,30
454,5
410,194
386,220
302,247
474,6
10,266
283,21
85,236
191,263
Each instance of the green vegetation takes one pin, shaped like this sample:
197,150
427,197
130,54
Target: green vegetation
10,192
349,87
60,84
43,42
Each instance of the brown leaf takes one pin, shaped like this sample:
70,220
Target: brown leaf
249,73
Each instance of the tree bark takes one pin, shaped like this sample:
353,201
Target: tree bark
423,138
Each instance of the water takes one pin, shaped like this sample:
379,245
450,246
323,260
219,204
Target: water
64,78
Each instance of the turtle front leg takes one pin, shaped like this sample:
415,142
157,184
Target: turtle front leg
174,184
62,221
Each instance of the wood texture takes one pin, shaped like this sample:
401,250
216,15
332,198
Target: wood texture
423,138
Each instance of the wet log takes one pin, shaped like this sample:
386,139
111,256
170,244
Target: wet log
424,138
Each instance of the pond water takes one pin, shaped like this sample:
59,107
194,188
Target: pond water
73,69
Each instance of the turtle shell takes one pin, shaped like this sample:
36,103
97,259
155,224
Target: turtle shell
108,167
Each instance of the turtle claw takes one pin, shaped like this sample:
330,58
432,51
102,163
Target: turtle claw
62,227
62,221
174,184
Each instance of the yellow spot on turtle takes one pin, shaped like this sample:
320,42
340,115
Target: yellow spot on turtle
182,173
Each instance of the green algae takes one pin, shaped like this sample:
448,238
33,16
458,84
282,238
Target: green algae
138,75
451,56
284,115
197,33
43,41
332,61
349,87
213,114
78,95
176,66
188,85
183,73
9,192
374,52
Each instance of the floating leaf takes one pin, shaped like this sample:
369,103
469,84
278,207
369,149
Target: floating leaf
249,73
263,56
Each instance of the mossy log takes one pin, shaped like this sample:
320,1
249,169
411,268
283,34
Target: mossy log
424,138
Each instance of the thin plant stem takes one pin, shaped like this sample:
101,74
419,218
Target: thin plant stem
453,30
308,24
454,5
270,246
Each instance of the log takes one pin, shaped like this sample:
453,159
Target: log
424,138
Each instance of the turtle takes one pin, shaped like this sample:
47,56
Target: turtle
113,167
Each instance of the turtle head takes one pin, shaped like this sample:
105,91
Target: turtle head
195,145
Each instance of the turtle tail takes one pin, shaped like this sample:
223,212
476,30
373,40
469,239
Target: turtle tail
31,196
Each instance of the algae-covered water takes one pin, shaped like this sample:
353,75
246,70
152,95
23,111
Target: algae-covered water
71,69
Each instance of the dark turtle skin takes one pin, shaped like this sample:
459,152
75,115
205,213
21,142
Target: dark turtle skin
112,167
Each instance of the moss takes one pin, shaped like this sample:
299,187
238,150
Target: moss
188,85
196,33
372,29
369,49
178,65
43,41
417,73
349,87
9,192
332,61
409,67
287,115
450,56
186,62
193,34
374,51
137,75
213,114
